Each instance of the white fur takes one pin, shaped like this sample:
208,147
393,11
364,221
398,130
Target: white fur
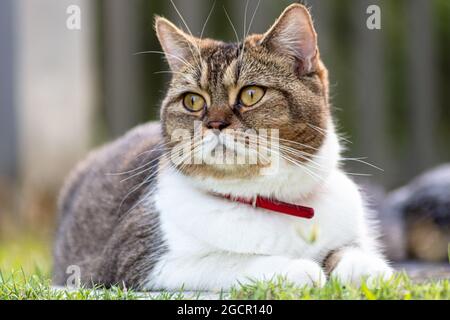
356,263
214,243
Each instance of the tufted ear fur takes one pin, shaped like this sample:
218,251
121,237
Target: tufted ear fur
176,44
293,35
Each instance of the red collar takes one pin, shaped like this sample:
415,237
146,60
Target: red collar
274,205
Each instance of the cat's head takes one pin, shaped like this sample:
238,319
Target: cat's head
271,81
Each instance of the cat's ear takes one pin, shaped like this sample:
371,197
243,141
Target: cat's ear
176,44
293,35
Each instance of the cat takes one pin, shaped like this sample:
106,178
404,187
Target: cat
129,215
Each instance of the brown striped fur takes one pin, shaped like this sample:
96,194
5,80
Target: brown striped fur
218,70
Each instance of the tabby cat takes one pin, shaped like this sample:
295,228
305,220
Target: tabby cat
132,215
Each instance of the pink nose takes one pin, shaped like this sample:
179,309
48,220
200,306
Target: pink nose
219,125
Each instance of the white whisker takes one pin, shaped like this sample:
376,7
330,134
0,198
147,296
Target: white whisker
207,19
231,23
189,43
184,61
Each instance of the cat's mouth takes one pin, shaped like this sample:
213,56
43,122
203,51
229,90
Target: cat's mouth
226,153
228,149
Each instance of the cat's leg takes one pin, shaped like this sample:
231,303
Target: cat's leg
352,264
222,271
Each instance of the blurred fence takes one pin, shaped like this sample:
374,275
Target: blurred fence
64,91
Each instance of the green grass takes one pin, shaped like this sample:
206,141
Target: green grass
19,285
400,287
27,253
25,274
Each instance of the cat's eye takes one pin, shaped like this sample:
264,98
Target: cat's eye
193,102
251,95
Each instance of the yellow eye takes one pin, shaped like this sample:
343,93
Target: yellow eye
251,95
193,102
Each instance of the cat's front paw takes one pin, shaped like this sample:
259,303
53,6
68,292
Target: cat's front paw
305,272
301,272
356,265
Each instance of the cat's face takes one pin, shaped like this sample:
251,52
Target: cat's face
273,81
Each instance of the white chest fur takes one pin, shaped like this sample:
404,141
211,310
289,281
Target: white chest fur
193,220
212,242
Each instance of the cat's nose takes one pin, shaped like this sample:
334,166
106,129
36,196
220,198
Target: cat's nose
217,124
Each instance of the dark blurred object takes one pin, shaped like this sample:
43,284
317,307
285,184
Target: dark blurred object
419,213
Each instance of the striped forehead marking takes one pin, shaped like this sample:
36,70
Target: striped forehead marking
218,61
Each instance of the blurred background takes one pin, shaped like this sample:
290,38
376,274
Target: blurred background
64,91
